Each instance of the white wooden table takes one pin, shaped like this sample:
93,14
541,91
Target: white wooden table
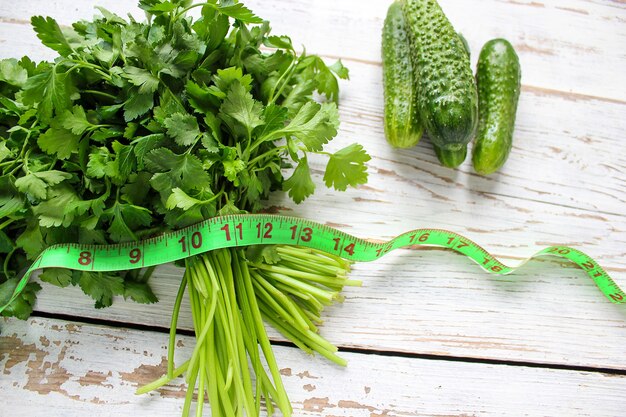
428,334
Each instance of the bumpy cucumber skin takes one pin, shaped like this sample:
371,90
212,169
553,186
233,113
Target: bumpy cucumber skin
465,44
447,98
403,127
451,159
498,75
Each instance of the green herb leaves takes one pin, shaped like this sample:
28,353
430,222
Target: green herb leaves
240,111
300,185
36,184
141,78
314,125
50,33
175,171
52,91
138,128
347,168
59,142
183,128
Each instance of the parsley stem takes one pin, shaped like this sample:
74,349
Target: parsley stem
95,68
53,163
21,158
173,326
263,155
6,223
11,162
208,321
101,94
5,266
158,383
200,400
193,6
17,168
282,399
192,376
288,73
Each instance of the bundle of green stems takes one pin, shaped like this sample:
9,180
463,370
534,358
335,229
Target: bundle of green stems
232,364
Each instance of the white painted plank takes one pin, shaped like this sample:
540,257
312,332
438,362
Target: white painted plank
64,369
567,150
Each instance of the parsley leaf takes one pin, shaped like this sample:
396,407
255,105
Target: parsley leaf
75,120
181,199
314,124
59,142
300,185
125,220
183,128
11,72
37,183
172,171
6,244
141,78
137,105
240,110
52,90
139,292
232,168
240,12
31,240
22,306
50,33
59,277
339,69
346,167
200,98
54,211
101,286
226,77
125,161
5,152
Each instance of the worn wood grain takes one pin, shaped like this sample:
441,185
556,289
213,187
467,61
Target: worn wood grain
64,369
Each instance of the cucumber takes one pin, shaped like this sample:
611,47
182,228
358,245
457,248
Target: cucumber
465,44
403,127
447,99
453,159
498,75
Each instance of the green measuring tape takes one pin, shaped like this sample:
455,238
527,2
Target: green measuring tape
255,229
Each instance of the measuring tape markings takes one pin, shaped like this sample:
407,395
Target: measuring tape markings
254,229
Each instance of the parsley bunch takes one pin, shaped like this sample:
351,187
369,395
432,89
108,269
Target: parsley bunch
138,128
